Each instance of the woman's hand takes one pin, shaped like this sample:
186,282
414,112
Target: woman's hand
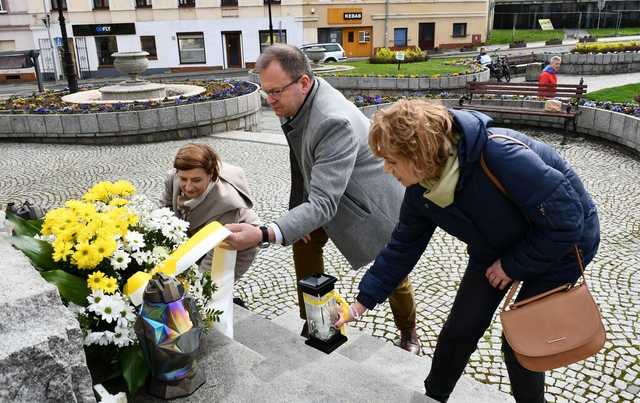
496,276
355,311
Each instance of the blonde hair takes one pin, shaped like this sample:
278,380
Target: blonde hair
414,130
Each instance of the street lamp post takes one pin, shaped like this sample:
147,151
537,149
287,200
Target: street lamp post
270,24
69,68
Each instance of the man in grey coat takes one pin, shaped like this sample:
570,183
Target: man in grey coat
339,189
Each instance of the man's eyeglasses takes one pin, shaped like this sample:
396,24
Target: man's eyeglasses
277,92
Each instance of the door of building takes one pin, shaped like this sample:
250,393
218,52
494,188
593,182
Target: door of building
105,47
357,41
426,35
233,49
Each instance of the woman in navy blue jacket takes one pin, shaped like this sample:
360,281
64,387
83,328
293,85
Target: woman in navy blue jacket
528,235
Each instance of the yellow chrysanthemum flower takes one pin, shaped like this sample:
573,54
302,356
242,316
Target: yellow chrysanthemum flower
118,202
123,188
96,280
105,246
86,256
109,285
61,250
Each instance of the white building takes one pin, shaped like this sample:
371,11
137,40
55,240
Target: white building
185,35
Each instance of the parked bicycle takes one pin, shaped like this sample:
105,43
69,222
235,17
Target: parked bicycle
500,70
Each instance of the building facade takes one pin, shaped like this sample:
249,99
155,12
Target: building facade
184,35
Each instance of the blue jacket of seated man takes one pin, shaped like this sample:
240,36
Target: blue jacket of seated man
532,231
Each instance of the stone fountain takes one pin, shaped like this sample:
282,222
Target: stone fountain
133,64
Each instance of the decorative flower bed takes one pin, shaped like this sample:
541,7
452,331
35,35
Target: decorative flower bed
607,47
51,103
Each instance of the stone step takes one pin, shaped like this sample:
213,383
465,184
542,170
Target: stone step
268,363
398,365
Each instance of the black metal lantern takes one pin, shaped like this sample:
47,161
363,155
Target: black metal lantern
169,328
321,306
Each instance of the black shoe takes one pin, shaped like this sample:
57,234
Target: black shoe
305,331
238,301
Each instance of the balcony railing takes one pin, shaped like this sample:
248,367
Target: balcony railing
186,3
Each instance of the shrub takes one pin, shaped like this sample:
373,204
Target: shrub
607,47
388,56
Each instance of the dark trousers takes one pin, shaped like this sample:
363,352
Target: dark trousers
308,260
473,309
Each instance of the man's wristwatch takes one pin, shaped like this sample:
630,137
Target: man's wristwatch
265,237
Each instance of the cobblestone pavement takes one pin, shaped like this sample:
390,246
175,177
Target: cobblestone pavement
50,174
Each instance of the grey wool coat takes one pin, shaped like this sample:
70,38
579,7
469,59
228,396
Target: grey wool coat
228,202
344,188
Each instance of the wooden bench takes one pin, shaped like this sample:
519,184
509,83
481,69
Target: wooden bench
562,91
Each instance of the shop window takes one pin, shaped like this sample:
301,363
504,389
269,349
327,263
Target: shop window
229,3
186,3
191,48
460,30
364,36
148,44
279,36
143,3
100,4
400,37
55,4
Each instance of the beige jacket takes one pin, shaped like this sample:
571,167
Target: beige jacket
228,202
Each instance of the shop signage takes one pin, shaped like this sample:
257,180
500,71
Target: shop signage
104,29
352,16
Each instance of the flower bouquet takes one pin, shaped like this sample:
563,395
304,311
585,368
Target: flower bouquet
89,249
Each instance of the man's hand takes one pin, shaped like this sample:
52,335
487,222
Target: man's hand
496,276
243,236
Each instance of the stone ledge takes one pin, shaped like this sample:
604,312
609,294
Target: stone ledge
595,63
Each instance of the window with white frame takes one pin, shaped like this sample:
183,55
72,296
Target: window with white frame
143,3
364,36
55,4
3,8
191,48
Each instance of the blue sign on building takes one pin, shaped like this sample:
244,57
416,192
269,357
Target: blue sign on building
57,41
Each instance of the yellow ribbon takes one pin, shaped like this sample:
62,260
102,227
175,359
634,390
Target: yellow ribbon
181,259
342,304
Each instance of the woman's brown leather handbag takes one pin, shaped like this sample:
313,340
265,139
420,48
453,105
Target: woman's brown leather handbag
555,328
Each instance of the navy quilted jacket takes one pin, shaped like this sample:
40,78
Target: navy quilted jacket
533,230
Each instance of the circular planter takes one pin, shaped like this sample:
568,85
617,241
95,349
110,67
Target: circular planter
140,126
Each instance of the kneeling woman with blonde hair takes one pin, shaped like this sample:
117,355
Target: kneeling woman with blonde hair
528,235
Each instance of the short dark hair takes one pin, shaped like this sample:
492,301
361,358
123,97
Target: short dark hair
197,155
293,60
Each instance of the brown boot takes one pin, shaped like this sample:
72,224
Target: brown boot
409,341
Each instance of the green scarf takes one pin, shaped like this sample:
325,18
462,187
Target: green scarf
441,190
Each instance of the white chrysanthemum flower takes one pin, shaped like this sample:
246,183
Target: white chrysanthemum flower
122,337
109,309
120,260
107,338
126,315
95,298
134,241
142,257
93,338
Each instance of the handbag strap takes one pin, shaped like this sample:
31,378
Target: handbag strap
503,190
